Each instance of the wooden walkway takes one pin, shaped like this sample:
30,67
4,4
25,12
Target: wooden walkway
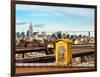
57,69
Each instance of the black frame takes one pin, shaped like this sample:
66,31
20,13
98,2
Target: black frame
13,21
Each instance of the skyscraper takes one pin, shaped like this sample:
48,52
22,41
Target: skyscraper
30,29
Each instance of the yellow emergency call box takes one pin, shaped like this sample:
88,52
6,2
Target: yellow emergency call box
63,52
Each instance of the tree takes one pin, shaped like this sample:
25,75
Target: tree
59,36
53,36
18,34
23,34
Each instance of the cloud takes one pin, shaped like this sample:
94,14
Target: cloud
39,25
65,14
65,28
83,12
57,11
26,7
21,23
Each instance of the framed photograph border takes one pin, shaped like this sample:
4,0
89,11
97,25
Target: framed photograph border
13,22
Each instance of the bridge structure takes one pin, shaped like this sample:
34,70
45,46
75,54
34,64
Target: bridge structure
77,51
44,64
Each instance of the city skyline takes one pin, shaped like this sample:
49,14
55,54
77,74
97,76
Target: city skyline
53,18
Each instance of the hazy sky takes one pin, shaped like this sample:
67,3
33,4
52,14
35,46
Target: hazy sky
54,18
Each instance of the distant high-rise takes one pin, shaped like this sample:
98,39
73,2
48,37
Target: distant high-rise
30,29
27,33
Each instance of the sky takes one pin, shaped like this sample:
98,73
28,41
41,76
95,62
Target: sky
54,18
